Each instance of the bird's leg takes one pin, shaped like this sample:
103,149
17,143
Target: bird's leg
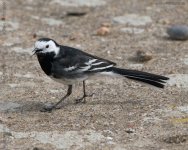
83,98
49,108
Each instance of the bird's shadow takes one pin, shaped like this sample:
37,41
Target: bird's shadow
34,106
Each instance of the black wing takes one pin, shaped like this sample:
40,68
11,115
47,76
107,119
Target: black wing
71,61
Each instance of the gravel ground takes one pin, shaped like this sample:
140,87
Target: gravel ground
122,114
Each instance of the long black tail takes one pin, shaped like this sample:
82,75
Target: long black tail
153,79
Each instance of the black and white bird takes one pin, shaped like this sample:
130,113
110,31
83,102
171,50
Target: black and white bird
70,65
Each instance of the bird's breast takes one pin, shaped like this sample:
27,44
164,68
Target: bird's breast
45,64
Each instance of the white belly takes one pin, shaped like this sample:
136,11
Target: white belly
69,81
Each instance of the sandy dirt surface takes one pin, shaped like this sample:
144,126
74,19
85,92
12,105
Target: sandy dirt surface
122,114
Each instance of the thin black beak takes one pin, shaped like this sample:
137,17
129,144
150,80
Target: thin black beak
36,51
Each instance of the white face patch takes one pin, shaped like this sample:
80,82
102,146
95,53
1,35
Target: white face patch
47,46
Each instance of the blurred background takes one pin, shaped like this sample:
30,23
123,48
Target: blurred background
145,35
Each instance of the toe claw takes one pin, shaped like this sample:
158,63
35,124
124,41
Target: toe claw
46,110
83,99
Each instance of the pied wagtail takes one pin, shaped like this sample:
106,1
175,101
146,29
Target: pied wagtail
69,65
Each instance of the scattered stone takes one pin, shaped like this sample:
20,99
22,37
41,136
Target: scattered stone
72,38
179,80
163,21
34,35
54,91
136,66
176,139
129,130
13,85
76,13
75,36
35,17
105,24
183,109
3,18
109,138
7,133
172,113
102,31
185,60
110,142
22,85
143,56
133,19
28,75
37,148
4,129
132,30
152,119
178,32
78,3
8,106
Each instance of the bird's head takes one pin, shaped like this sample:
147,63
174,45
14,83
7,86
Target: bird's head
45,46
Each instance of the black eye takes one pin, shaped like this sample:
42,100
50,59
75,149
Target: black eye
47,46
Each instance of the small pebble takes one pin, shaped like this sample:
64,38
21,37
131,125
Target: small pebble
176,139
163,21
3,18
7,133
72,38
109,138
34,35
178,32
102,31
76,13
75,36
130,130
37,148
143,56
105,24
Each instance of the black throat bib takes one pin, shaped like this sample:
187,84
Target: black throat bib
45,61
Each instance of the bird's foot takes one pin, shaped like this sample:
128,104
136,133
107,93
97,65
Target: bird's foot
48,108
83,98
